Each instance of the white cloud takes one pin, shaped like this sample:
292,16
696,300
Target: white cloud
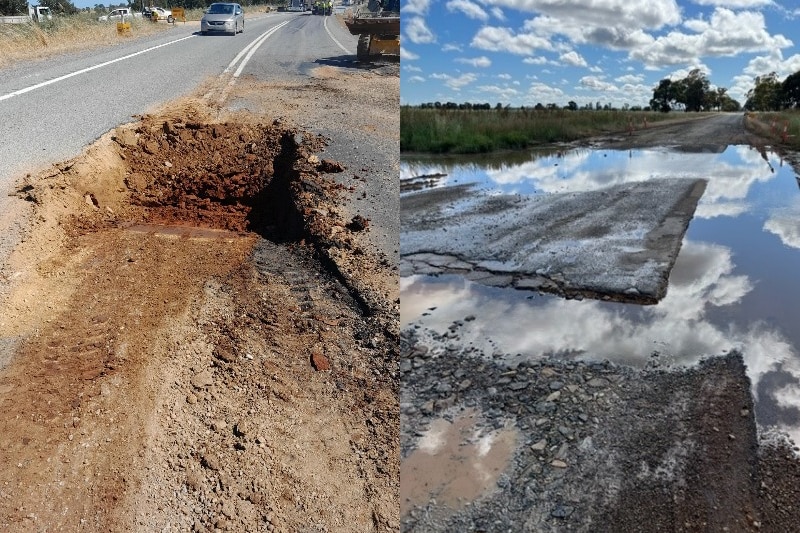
411,68
406,55
452,47
498,13
630,78
602,13
470,9
726,33
535,60
596,83
541,92
420,7
683,72
617,37
416,79
504,76
573,59
735,4
418,32
455,83
504,40
504,93
477,62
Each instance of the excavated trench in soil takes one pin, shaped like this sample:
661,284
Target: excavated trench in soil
125,240
230,176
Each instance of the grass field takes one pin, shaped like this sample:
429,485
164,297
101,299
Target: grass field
481,131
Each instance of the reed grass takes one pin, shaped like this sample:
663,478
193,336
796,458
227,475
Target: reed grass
487,130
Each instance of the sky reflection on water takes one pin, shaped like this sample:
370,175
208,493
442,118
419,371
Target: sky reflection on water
735,284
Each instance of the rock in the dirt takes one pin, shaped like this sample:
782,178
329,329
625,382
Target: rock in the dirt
320,362
330,167
598,382
125,138
562,511
210,461
358,223
224,354
202,379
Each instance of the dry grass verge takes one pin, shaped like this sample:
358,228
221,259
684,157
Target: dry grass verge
26,42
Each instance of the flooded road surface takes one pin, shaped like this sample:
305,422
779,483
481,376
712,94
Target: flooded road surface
735,284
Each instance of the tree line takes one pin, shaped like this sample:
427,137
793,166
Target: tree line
692,93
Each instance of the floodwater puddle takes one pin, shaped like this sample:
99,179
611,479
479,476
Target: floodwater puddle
735,284
455,462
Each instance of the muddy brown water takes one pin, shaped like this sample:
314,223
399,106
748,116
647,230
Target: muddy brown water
735,284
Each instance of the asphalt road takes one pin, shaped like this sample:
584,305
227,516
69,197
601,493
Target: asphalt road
50,110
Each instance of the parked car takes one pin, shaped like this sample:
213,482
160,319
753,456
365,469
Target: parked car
119,15
163,14
223,17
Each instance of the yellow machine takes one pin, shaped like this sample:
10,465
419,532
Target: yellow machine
378,29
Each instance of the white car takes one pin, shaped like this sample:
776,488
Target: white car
163,14
223,17
119,15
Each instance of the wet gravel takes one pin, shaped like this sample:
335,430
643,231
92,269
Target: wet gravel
602,447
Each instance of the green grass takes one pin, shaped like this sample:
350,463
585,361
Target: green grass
480,131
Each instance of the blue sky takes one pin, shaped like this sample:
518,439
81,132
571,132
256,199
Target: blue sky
523,52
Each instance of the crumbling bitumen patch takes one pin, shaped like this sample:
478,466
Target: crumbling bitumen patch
620,242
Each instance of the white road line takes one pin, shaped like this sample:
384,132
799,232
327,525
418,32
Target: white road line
346,51
88,69
255,43
247,52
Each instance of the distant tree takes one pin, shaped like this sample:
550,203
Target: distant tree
538,106
572,106
13,7
60,6
765,94
790,90
692,90
729,104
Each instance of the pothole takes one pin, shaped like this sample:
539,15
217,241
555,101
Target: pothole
231,176
166,172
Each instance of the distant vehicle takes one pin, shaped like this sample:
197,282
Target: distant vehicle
119,15
296,5
223,17
163,14
322,7
40,14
